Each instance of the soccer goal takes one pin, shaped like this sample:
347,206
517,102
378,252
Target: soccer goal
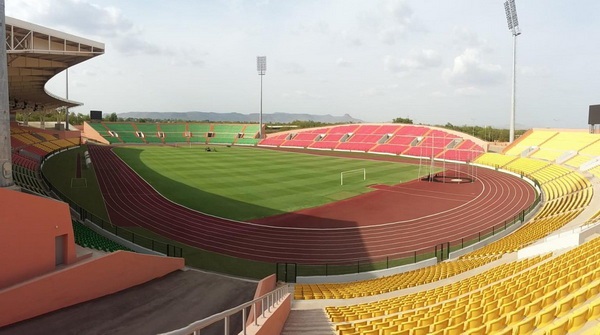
354,173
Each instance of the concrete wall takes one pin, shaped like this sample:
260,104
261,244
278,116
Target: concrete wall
366,275
275,321
92,134
264,286
81,282
29,226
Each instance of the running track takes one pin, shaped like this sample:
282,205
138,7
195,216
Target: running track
495,197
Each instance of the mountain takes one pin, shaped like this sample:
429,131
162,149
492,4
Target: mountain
238,117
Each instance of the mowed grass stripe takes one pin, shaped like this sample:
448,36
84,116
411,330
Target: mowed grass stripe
249,183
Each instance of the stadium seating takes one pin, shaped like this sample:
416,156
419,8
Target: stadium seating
275,139
175,132
28,147
125,131
410,140
466,151
360,142
217,133
533,139
303,139
150,131
226,133
564,142
390,283
88,238
547,296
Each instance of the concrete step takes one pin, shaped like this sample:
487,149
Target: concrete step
311,321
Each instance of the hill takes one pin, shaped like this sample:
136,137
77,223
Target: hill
238,117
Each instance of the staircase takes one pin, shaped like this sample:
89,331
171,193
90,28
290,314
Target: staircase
309,322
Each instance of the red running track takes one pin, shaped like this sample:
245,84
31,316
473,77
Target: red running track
419,215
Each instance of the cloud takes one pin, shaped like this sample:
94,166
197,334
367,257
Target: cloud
80,15
470,70
88,19
533,71
293,68
391,22
417,60
465,38
379,90
468,91
372,92
341,62
301,94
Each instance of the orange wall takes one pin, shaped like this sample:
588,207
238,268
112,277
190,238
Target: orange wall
82,282
264,286
28,227
92,134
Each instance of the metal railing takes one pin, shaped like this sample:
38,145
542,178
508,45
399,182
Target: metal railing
259,306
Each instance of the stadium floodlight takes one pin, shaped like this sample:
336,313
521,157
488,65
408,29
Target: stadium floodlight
513,26
261,67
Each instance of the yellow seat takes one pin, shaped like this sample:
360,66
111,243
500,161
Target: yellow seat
564,307
421,330
389,330
370,332
474,323
533,308
456,329
515,316
545,317
491,315
524,327
578,319
495,325
347,331
561,328
408,325
594,312
440,325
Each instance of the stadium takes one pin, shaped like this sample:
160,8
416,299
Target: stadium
211,228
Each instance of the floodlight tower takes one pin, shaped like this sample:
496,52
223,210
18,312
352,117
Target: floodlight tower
261,66
513,26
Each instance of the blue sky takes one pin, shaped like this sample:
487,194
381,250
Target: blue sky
434,61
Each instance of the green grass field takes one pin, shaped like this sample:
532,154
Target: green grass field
248,183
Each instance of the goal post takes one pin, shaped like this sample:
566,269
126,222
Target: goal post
362,171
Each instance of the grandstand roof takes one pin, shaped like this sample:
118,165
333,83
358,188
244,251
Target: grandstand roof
34,55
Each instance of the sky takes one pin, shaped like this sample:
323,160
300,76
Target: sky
434,61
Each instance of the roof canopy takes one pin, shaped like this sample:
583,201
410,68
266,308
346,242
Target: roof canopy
34,55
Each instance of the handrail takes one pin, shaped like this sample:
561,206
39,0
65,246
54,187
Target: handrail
272,298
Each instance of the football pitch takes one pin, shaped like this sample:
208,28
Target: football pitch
248,183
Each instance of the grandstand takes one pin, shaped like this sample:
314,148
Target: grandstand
171,133
403,140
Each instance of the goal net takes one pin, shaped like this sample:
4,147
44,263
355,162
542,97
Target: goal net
350,175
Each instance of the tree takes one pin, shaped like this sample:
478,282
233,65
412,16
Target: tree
112,117
402,120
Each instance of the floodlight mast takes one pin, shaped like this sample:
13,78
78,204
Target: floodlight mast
513,26
261,66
